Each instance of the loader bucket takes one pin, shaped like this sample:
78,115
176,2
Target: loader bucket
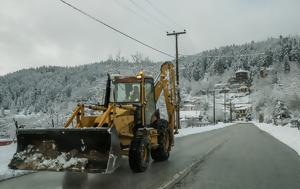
75,149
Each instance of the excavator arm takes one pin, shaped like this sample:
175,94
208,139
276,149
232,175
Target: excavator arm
166,82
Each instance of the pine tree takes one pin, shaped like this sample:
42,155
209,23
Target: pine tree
269,58
196,74
295,53
2,114
287,67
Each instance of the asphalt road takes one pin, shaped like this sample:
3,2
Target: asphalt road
238,156
250,159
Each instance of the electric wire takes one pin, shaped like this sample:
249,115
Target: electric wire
149,14
140,16
163,14
115,29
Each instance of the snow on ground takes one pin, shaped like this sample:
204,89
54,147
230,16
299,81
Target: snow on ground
193,130
289,136
6,153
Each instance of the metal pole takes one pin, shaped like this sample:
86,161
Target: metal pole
214,101
224,106
230,111
177,80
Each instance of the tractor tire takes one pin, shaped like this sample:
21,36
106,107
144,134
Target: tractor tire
139,154
162,152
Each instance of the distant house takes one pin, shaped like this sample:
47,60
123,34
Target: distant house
242,110
219,87
188,106
234,87
233,81
185,115
240,79
242,76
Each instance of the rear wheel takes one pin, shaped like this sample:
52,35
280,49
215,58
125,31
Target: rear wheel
139,154
162,152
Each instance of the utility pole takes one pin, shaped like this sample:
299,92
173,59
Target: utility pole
225,91
224,106
177,78
214,102
230,106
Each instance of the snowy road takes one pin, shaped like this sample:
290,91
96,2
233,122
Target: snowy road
240,156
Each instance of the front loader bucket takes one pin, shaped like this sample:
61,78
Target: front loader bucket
75,149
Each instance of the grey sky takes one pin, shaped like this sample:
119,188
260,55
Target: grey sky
46,32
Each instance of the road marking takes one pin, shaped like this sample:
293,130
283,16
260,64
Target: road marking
183,173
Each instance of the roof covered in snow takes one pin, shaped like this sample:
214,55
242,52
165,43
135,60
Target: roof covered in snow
241,71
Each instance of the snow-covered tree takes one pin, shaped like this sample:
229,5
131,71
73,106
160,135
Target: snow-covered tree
2,114
287,67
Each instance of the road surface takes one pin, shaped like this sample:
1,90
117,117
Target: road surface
250,159
240,156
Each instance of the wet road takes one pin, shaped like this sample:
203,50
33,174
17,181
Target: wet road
186,150
241,156
250,159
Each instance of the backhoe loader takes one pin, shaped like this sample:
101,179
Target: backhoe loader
127,124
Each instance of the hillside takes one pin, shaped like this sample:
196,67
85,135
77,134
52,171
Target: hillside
53,90
48,89
278,58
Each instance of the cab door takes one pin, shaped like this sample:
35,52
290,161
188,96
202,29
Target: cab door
150,101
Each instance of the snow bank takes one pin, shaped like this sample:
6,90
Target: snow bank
289,136
193,130
6,153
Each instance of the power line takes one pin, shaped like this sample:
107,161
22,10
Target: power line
115,29
140,16
162,13
148,13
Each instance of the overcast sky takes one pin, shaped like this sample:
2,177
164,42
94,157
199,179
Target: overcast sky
47,32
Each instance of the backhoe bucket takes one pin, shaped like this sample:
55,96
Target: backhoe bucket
75,149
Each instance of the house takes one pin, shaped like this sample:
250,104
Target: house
242,76
188,106
241,110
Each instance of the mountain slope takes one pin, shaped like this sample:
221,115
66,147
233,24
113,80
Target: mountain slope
52,89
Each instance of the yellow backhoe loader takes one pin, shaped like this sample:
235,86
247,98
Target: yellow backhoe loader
128,124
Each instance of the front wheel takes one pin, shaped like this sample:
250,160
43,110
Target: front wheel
162,152
139,154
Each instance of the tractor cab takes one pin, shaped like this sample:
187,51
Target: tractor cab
137,91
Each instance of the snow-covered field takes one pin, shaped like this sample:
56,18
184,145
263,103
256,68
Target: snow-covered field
289,136
7,152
